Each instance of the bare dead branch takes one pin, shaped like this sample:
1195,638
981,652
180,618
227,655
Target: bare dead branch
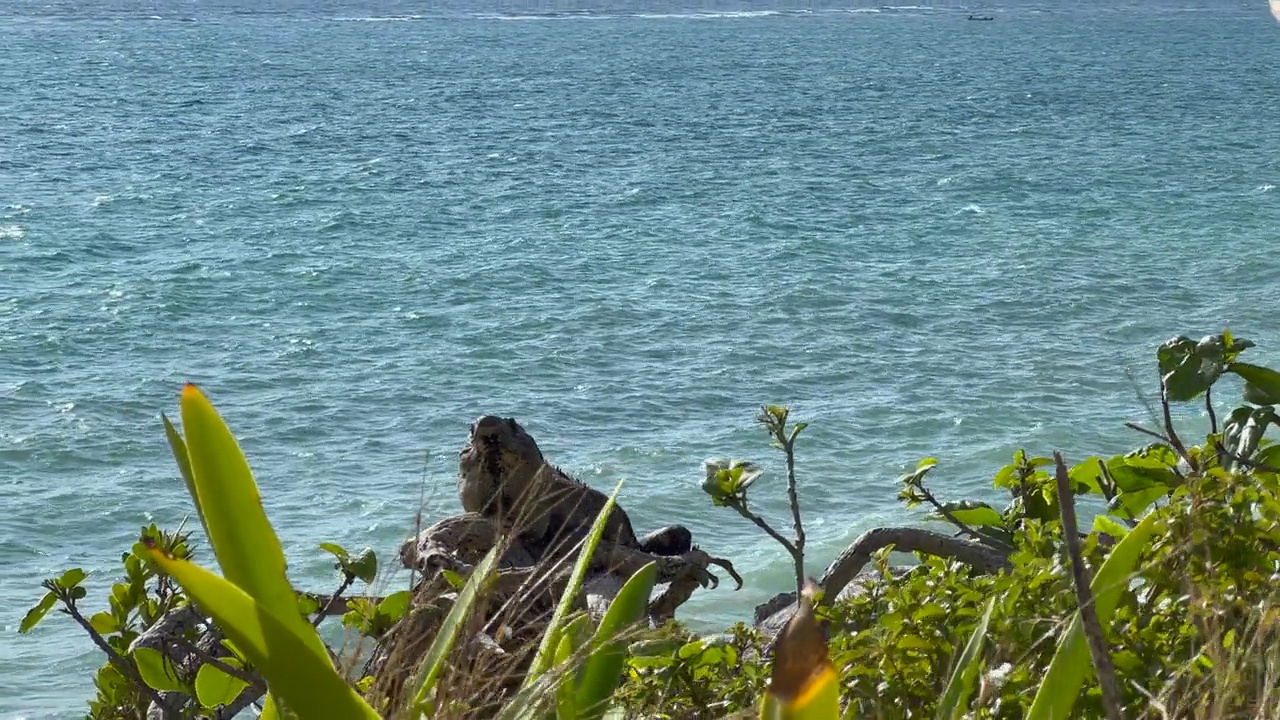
1106,670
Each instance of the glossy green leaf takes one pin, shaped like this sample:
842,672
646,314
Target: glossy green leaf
104,623
243,541
337,550
971,513
1071,663
364,566
915,477
955,699
157,671
395,605
71,578
215,687
1110,526
542,660
608,651
1138,473
1132,504
309,685
37,612
1263,383
1087,475
434,661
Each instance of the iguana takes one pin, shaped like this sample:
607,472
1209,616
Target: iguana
504,476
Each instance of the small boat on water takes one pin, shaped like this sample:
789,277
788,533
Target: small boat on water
981,18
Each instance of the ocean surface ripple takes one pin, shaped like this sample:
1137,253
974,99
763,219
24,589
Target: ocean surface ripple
360,225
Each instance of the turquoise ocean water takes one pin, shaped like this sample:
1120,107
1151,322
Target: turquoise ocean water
359,225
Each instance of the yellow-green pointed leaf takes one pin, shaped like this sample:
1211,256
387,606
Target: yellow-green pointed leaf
37,613
955,699
542,660
243,541
608,651
1071,664
179,448
307,684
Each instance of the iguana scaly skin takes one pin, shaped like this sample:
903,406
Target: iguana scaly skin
504,476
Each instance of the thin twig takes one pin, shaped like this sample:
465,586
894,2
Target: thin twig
115,658
330,606
797,553
1251,464
1174,440
1084,596
253,680
1151,433
951,518
1208,406
760,522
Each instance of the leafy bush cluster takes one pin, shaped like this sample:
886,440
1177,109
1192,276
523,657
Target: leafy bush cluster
1178,575
1195,627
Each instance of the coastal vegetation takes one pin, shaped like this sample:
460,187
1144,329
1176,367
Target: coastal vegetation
1162,603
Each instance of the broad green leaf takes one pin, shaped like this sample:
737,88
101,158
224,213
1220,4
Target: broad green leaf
1263,383
542,660
179,448
215,687
307,684
1108,525
71,578
243,541
37,612
104,623
915,477
1189,368
971,513
433,662
395,605
1071,663
1135,502
364,566
157,671
1136,473
1087,475
1269,456
608,652
337,550
955,699
455,580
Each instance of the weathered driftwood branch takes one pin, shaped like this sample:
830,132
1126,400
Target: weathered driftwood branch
854,558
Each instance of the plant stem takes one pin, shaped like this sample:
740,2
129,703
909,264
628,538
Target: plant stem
333,601
797,550
1102,664
1208,406
1173,436
124,666
760,522
252,680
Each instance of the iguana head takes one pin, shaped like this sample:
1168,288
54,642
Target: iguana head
498,453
